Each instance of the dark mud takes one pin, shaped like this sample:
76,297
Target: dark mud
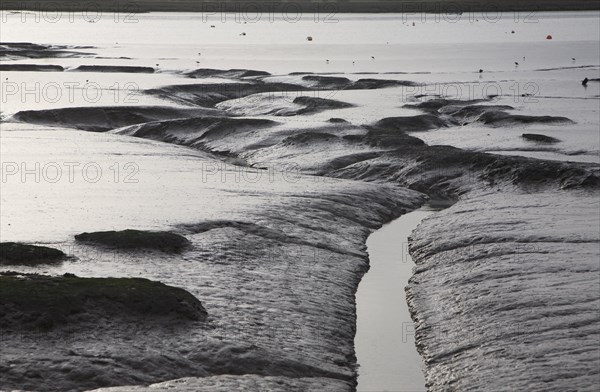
315,105
113,68
466,112
196,132
31,68
534,137
208,95
503,119
342,83
13,253
101,119
424,122
227,74
26,50
136,239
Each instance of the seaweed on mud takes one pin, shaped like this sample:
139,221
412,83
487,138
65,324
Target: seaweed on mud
136,239
14,253
31,301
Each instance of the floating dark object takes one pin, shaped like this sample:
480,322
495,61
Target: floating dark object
243,34
481,71
516,64
548,37
212,26
373,57
309,38
585,82
512,32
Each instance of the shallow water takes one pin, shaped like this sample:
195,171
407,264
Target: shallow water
385,344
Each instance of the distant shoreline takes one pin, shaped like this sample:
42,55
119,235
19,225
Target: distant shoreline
290,8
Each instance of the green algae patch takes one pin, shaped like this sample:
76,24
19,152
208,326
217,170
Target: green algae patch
32,301
15,253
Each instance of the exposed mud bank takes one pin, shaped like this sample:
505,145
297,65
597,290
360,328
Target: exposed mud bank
384,152
466,112
227,74
247,382
113,68
534,137
27,50
197,131
210,94
500,204
31,68
101,119
509,300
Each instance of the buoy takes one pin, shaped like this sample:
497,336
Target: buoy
309,38
548,36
